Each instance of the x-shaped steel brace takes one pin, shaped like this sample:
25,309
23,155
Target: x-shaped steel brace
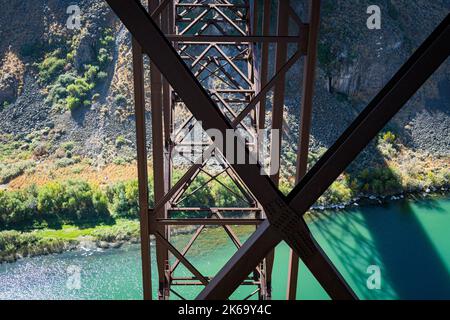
284,214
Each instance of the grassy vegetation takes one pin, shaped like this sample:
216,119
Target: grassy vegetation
9,171
123,230
73,89
120,100
53,204
15,244
76,202
120,229
52,218
4,105
11,149
59,213
402,171
51,66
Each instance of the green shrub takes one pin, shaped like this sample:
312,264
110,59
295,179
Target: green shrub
13,243
123,199
9,171
79,89
66,162
379,180
50,67
78,94
68,146
120,141
55,202
10,240
73,103
58,91
120,100
107,39
71,90
4,105
222,195
71,201
123,232
17,207
104,57
202,198
338,192
119,161
325,55
105,53
91,73
389,137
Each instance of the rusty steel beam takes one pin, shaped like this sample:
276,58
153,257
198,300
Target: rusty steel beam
280,84
204,61
283,217
264,73
181,258
253,16
139,101
317,180
261,96
161,7
208,5
305,126
187,248
278,103
159,170
407,81
210,222
200,209
205,39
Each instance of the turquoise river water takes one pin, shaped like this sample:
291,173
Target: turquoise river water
408,240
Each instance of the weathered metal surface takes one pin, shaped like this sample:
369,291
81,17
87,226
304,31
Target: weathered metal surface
284,214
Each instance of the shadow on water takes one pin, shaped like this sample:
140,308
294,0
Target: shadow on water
428,204
392,238
413,265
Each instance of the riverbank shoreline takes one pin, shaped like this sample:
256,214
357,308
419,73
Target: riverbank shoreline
364,199
30,244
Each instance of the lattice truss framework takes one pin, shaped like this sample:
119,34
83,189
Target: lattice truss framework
226,47
215,56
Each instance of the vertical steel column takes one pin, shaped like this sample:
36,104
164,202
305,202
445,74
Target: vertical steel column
280,86
264,63
159,175
141,145
305,127
278,101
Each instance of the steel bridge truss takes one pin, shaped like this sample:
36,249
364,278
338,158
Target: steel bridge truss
210,63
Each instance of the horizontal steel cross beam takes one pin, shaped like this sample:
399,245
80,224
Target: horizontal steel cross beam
236,39
210,222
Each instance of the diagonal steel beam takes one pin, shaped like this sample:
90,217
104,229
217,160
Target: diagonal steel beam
285,223
181,257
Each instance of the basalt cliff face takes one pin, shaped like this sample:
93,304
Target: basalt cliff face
356,62
60,86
